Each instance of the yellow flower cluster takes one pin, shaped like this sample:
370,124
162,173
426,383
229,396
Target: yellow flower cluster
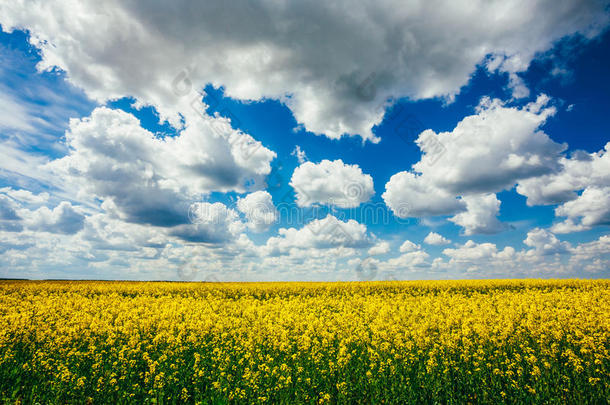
391,342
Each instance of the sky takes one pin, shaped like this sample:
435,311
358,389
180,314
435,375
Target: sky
321,141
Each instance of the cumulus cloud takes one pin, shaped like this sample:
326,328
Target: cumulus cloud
15,214
577,172
545,242
479,258
139,188
491,150
211,223
411,259
407,261
331,183
259,210
380,248
410,195
546,256
325,233
591,208
409,246
480,215
63,219
560,187
150,180
434,238
104,233
592,250
274,50
460,171
472,251
582,187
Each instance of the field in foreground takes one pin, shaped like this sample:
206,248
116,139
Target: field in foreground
391,342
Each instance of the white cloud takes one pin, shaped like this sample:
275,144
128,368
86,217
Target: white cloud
17,165
325,233
579,171
259,210
14,115
412,259
548,256
407,261
480,215
380,248
10,219
544,242
511,65
553,188
33,114
25,196
15,214
211,223
472,251
591,208
331,183
274,50
592,250
408,247
409,195
492,150
151,180
586,173
300,154
434,238
139,188
485,153
102,232
63,219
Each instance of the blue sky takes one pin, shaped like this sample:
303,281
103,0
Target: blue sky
402,152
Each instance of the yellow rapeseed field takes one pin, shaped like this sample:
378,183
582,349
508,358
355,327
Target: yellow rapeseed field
528,341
